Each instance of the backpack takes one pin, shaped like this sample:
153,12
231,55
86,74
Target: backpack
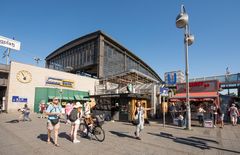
73,115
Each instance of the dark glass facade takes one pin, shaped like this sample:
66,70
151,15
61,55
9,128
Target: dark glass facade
98,55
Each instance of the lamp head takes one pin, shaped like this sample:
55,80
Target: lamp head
190,39
182,18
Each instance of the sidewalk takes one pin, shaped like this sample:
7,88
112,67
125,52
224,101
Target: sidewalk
30,138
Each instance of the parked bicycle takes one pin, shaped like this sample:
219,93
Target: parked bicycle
95,129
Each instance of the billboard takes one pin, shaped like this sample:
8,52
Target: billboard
199,86
10,43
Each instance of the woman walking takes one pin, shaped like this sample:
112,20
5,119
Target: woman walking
139,117
75,117
53,112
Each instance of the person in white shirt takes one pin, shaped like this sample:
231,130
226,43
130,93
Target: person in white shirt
234,113
77,111
200,114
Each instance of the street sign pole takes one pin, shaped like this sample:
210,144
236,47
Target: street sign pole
7,56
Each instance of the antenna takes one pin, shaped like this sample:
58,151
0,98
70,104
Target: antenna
37,59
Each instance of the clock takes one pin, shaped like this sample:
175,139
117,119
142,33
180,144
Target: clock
24,76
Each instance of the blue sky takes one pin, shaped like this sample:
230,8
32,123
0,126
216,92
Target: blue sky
147,28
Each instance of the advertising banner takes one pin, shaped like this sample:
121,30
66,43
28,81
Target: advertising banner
10,43
200,86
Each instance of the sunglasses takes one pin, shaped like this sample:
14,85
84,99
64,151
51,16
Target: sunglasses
55,100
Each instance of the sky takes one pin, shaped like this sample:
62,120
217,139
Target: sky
145,27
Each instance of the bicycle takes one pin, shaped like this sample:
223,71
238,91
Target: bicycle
96,129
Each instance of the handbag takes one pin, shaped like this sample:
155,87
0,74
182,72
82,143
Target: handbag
136,120
54,121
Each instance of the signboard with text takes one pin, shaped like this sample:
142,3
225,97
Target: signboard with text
10,43
60,82
19,99
164,91
200,86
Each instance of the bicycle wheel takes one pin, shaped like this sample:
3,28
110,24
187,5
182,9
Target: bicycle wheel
99,133
83,130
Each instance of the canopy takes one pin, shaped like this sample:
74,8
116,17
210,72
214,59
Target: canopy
77,97
50,97
71,98
202,96
65,98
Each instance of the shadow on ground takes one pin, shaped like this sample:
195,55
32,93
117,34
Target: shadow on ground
44,137
121,134
13,121
198,142
65,135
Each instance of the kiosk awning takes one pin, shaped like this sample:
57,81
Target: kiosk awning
65,98
77,97
50,97
201,96
71,98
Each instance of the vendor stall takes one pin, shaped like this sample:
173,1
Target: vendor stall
202,94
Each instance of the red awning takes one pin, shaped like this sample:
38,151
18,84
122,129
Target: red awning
202,96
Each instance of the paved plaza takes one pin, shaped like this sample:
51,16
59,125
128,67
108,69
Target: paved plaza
27,138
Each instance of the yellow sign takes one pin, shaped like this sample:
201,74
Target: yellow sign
60,82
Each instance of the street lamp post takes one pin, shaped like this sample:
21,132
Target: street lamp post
182,22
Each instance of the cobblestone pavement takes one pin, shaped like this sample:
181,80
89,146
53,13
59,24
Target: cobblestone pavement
27,138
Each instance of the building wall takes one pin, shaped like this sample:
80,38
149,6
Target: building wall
39,77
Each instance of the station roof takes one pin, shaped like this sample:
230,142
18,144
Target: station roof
130,76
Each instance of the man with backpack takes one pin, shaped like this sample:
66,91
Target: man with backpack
74,117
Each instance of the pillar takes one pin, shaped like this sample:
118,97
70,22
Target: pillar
153,100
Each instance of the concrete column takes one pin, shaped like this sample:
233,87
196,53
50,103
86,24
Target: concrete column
101,56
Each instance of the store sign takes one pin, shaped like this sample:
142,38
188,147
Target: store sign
19,99
9,43
60,82
200,86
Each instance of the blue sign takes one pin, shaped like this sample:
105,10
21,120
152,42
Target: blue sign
19,99
164,91
172,78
